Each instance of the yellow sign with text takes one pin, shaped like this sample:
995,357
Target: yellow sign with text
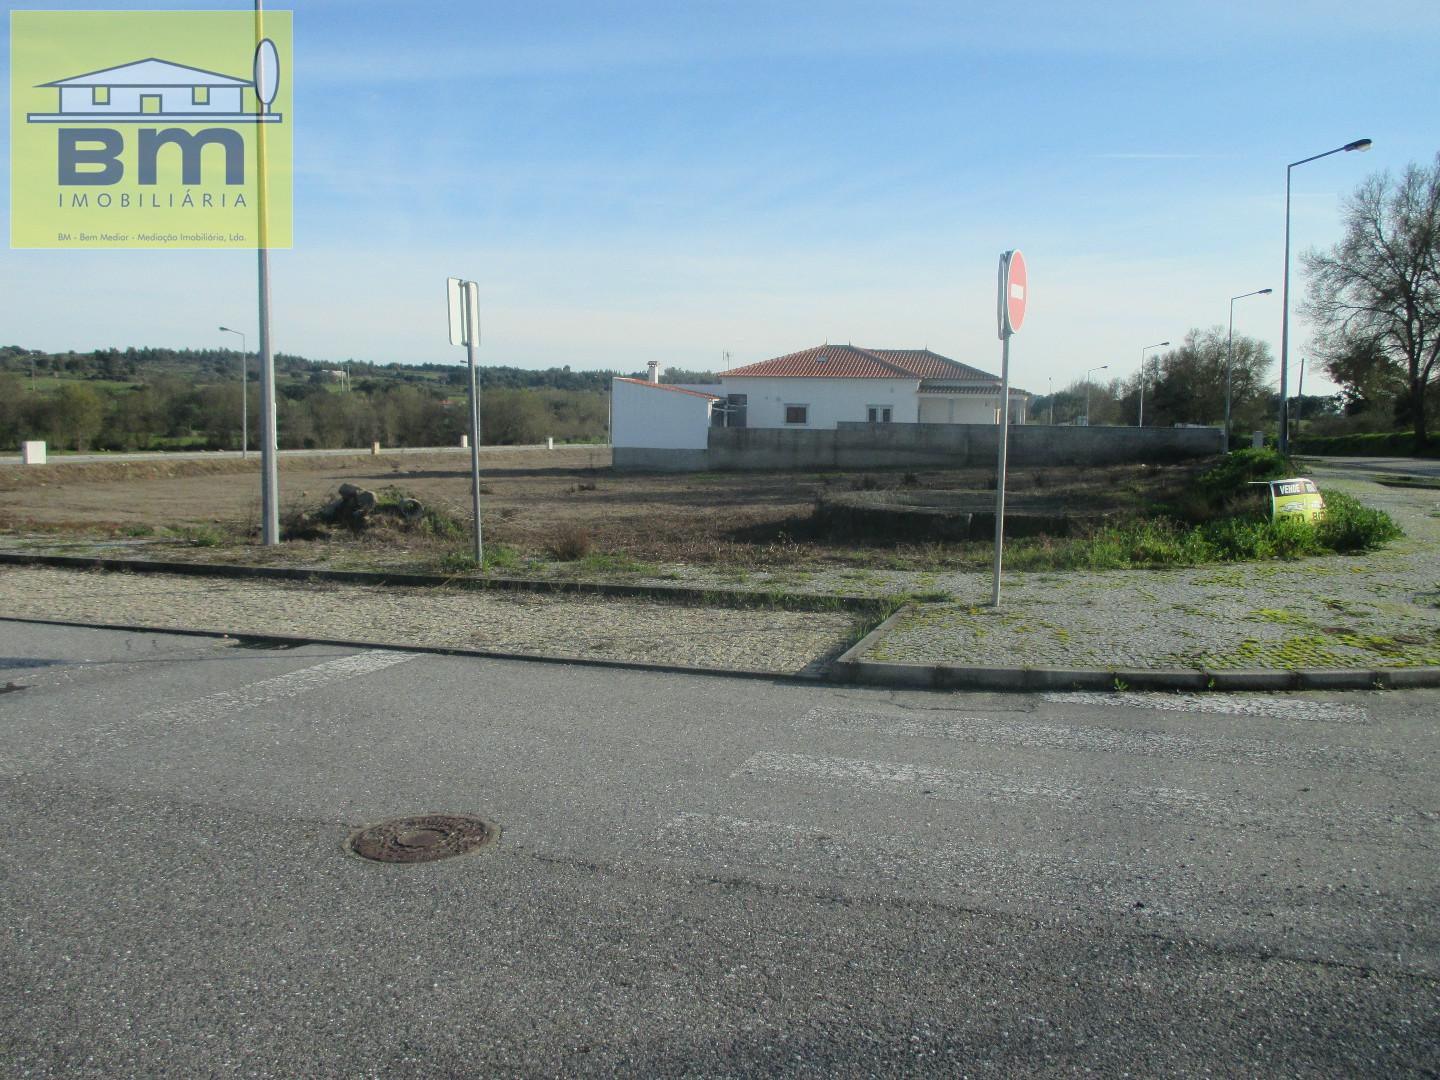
150,129
1297,499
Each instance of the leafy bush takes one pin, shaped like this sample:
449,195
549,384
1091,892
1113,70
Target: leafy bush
1372,444
1240,467
1349,525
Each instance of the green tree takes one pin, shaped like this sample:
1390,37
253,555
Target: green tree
77,414
1187,385
1378,289
512,417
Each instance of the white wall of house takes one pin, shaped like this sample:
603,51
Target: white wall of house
648,416
969,409
827,401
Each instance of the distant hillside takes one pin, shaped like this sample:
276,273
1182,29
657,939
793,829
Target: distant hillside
147,398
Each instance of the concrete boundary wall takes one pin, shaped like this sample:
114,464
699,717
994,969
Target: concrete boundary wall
876,446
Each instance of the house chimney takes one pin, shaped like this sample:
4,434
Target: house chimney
654,371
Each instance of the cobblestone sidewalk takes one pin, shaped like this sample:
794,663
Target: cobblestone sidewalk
1372,611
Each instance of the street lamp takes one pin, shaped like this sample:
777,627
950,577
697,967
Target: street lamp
1102,367
1051,380
1230,354
1147,348
244,392
1284,436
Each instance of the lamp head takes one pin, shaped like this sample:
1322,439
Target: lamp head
1359,144
1264,292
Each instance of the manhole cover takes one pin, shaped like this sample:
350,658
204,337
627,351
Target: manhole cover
422,839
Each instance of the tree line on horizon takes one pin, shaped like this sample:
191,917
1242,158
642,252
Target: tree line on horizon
152,399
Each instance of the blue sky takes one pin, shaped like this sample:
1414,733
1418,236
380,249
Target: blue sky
638,181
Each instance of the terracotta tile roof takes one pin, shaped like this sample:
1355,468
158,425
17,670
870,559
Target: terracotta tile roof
929,365
671,389
853,362
825,362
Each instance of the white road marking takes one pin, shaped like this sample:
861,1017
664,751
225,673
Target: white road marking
990,731
219,705
1278,708
1099,796
946,782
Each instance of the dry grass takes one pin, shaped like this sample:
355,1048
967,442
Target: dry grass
533,499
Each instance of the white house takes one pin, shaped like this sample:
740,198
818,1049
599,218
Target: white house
150,89
653,416
819,387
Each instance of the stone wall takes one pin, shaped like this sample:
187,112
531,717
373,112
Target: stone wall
878,446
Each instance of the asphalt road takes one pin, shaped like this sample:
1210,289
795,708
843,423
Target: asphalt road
1381,466
699,876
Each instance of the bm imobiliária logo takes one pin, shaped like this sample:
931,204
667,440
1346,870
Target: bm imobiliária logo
143,129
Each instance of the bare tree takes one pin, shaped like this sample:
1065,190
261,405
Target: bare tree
1379,288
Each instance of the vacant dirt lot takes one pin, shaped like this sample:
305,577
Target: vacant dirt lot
530,496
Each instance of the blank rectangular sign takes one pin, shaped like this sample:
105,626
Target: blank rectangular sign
464,307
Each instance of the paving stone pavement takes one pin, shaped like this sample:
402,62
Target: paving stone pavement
1371,611
1376,610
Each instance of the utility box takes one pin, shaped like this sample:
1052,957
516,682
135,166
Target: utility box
1257,440
32,453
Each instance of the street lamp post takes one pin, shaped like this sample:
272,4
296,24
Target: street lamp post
1147,348
1284,435
1102,367
244,392
1051,380
1230,354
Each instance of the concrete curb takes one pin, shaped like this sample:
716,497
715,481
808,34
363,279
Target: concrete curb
852,668
437,650
687,594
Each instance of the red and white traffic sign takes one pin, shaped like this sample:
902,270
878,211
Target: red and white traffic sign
1014,284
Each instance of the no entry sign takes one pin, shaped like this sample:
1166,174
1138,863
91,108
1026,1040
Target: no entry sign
1014,284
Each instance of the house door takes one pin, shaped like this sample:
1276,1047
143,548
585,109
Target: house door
150,103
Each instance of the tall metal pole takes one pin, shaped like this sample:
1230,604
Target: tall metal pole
1102,367
269,479
1283,438
472,338
1000,466
1147,348
1229,362
1230,354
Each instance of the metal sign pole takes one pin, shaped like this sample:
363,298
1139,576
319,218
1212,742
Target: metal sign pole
269,480
472,339
1011,302
1000,464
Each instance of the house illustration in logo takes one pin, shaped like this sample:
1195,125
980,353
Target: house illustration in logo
150,91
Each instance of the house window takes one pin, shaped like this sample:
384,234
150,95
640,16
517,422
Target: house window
150,103
877,414
199,95
100,95
797,414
